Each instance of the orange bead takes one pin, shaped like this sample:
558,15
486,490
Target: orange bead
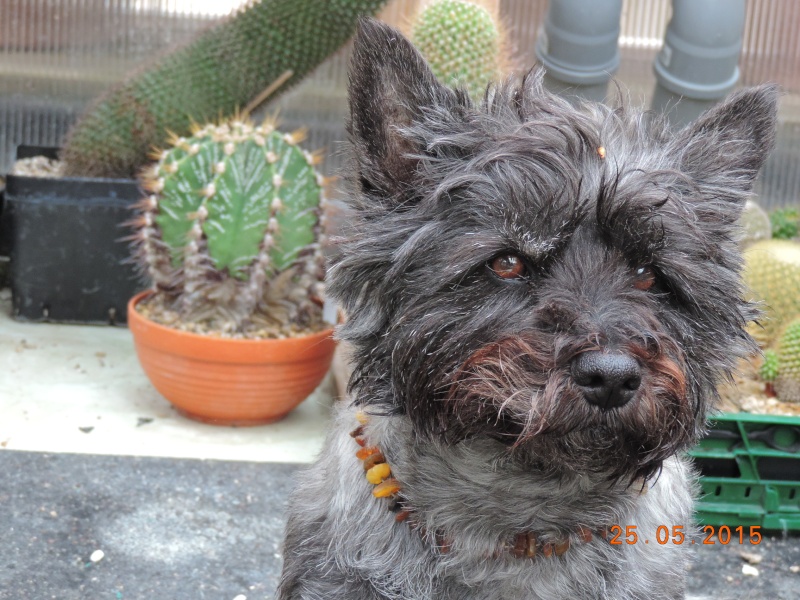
365,452
373,460
378,473
530,550
402,515
388,488
520,545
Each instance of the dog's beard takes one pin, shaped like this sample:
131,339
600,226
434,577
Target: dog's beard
520,391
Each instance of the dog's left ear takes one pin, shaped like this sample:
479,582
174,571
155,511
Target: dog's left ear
726,146
391,86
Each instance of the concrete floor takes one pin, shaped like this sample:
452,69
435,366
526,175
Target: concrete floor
80,389
86,527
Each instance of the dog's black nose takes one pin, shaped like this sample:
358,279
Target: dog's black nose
609,380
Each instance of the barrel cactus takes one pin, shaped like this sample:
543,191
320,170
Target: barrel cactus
772,275
462,43
787,382
217,74
231,230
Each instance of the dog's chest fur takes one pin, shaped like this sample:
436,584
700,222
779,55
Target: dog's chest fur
481,500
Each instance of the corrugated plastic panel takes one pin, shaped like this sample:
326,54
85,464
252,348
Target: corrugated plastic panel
55,55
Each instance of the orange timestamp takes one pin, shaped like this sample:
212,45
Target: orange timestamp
617,535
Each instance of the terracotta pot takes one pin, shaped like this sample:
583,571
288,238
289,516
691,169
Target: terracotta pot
229,382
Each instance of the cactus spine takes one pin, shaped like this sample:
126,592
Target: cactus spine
461,42
215,75
232,227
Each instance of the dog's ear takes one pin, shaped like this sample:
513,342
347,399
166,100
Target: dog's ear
727,145
390,87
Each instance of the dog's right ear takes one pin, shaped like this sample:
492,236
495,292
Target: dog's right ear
390,88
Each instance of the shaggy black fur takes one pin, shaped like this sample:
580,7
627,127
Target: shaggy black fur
626,249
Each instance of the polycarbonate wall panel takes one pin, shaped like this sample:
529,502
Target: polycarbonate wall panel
56,55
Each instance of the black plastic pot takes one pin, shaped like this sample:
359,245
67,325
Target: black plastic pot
4,242
5,231
67,260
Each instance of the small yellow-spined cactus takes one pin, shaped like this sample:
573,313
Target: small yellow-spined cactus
769,371
462,42
772,275
787,382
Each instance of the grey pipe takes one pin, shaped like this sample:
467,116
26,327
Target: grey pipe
698,63
701,50
578,42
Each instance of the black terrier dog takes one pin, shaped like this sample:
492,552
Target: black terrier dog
541,300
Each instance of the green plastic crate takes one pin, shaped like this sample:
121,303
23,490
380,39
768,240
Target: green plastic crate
750,467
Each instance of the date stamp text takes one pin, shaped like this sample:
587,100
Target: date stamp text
618,535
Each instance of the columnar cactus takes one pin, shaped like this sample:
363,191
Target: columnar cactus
462,42
217,74
231,229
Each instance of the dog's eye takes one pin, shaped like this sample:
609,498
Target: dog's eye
508,266
644,278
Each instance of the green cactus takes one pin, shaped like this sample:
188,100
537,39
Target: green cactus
231,210
214,76
787,382
785,222
769,371
772,275
462,43
769,368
